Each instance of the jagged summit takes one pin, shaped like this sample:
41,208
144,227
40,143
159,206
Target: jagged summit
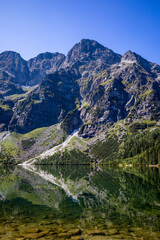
45,55
9,53
130,56
13,63
89,50
43,64
88,45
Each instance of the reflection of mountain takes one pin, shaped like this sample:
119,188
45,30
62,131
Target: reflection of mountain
113,194
24,184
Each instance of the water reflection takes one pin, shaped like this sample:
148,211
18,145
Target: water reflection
107,203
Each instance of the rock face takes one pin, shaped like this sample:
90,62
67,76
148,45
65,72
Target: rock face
43,64
6,113
89,50
48,103
72,121
7,85
29,72
14,64
106,105
91,87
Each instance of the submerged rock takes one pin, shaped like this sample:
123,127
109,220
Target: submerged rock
95,232
70,233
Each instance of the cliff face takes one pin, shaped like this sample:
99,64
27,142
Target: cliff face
15,65
91,87
29,72
129,89
43,64
48,104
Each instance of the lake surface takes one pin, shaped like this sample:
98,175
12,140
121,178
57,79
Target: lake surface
79,202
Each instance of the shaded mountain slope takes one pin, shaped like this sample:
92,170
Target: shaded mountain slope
48,103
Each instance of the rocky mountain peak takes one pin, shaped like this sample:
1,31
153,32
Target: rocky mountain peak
42,64
9,54
130,56
87,45
44,56
84,47
13,63
89,50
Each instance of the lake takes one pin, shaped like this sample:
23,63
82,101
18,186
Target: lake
79,202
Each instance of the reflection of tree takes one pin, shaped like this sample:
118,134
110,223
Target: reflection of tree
122,196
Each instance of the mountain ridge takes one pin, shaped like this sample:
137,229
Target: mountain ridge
90,89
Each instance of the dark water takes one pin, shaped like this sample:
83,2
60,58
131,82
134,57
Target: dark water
79,202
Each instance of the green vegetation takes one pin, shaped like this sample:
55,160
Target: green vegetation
142,148
18,96
10,151
137,144
102,74
6,157
86,105
83,126
35,133
27,143
19,146
77,103
66,158
76,140
68,121
141,125
147,93
5,107
106,82
107,149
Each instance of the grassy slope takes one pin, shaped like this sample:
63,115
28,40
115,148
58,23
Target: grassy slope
137,143
19,147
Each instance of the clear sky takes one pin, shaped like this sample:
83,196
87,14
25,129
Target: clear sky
34,26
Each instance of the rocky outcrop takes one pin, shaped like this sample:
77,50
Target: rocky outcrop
6,113
48,103
106,105
89,50
14,64
7,85
29,72
72,121
43,64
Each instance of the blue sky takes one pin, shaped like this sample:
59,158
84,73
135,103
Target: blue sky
34,26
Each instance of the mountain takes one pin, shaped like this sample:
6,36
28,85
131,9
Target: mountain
29,72
14,64
89,50
90,89
43,64
48,104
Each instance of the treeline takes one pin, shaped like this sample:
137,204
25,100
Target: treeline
144,146
138,148
106,149
67,157
6,158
